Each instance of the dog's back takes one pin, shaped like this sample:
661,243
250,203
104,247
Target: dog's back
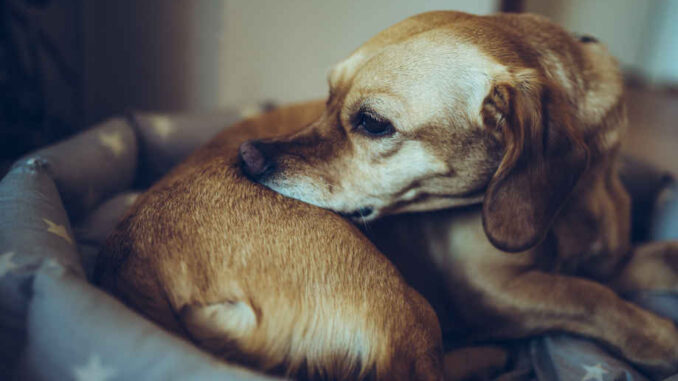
264,280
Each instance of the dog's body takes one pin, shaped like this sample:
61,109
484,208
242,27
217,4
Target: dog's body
265,280
448,109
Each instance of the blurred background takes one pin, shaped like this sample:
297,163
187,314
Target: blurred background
66,64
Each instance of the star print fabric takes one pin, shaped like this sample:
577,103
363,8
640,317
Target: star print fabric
91,166
28,197
99,339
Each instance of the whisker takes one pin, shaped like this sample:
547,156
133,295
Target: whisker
365,225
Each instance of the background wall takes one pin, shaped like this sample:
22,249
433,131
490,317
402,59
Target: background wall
204,54
643,35
139,54
284,50
662,43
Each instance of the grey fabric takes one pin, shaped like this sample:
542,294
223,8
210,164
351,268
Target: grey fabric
33,228
92,165
563,357
664,224
76,331
91,232
34,224
96,226
55,325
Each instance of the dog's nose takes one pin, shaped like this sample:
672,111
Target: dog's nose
254,163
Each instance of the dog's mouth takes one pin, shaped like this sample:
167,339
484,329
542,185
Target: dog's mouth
360,215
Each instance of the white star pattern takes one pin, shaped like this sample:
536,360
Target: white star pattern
58,230
112,141
93,371
162,126
595,373
6,264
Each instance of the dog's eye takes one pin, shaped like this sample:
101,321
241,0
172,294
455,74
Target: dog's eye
374,126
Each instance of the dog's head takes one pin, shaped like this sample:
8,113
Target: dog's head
423,118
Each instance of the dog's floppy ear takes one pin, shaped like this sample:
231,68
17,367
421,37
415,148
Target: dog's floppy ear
543,160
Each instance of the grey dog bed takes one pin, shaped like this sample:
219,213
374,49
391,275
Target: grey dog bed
58,204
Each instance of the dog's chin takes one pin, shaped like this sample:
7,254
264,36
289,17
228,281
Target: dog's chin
304,194
359,214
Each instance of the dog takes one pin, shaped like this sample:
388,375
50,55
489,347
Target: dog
502,133
263,280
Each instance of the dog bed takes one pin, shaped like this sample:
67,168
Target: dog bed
57,206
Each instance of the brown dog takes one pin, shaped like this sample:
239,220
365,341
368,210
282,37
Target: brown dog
265,280
449,109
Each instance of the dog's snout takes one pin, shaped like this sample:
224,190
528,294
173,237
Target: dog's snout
254,161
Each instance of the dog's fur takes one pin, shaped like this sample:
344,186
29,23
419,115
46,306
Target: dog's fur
265,280
509,110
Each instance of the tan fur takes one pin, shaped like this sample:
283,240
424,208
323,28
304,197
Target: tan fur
264,280
508,109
